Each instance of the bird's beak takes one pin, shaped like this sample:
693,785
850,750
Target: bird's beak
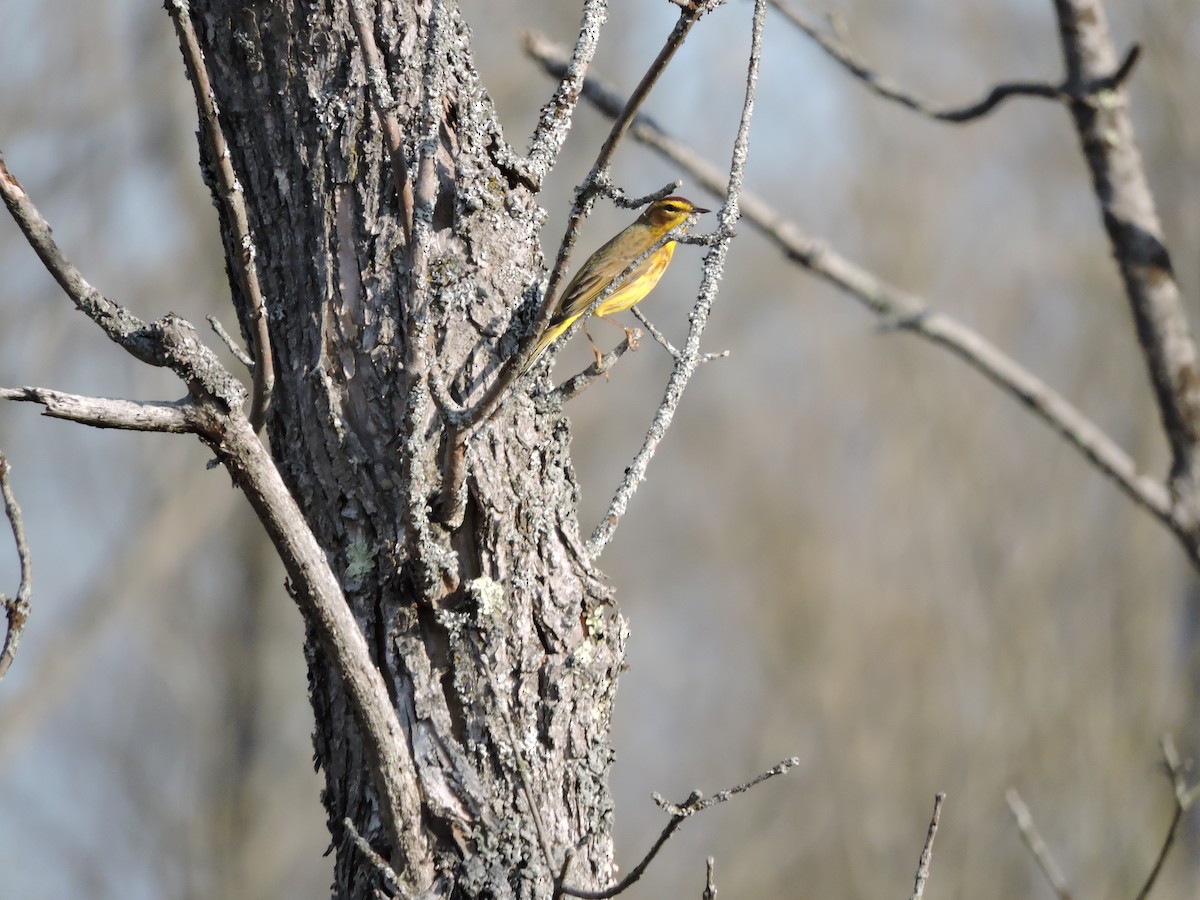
700,209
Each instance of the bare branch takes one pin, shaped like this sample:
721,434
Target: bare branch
836,48
619,197
577,384
326,609
230,344
897,307
381,95
231,194
1135,233
118,323
16,609
385,871
667,345
692,805
714,262
105,412
554,123
927,850
1033,840
1184,799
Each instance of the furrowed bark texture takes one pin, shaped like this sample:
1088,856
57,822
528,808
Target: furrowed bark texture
502,676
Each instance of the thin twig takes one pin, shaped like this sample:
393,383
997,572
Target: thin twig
568,859
623,200
927,850
230,344
667,345
714,263
231,193
1184,799
381,864
577,384
16,609
836,47
1033,840
385,106
899,307
692,805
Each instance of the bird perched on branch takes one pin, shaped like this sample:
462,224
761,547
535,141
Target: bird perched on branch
607,263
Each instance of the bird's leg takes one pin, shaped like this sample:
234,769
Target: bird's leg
632,335
595,350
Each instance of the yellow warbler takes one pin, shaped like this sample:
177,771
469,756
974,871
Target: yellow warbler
610,261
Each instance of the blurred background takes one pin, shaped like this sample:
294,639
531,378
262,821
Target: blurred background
850,549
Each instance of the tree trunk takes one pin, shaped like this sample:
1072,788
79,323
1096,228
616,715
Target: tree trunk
501,670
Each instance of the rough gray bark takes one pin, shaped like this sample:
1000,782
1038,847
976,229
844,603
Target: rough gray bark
486,636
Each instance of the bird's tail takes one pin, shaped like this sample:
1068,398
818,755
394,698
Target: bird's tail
547,338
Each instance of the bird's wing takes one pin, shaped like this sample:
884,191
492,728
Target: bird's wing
587,283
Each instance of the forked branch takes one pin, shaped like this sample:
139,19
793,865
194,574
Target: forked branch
679,813
1185,799
213,412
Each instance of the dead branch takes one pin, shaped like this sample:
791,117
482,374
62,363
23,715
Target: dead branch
577,384
385,104
554,123
231,193
927,850
16,609
1037,846
710,884
106,412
